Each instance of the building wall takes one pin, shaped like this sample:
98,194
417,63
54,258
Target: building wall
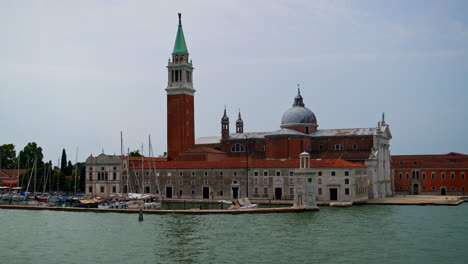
180,124
431,180
109,181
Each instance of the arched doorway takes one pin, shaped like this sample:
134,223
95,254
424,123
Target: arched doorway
415,189
442,191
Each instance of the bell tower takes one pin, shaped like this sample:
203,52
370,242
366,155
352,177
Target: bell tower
180,98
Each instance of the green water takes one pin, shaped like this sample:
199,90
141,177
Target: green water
360,234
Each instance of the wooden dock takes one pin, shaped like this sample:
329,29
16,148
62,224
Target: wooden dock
193,211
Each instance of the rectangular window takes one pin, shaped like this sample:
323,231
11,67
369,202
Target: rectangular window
265,173
291,181
291,190
332,173
265,181
462,176
346,181
265,190
181,182
102,189
168,174
157,173
193,173
193,182
115,176
256,190
291,173
320,147
168,182
400,175
255,173
319,190
278,173
181,173
319,181
443,176
205,182
423,175
221,193
319,173
433,175
346,173
221,173
221,182
114,189
452,176
407,175
235,173
255,180
346,191
136,173
206,173
90,189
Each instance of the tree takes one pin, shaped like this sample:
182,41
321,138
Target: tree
64,160
7,156
29,154
68,169
135,153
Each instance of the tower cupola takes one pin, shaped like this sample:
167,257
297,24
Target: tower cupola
225,126
239,124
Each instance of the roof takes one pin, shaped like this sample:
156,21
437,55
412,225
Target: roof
228,162
285,132
180,46
344,132
449,160
203,150
207,140
249,135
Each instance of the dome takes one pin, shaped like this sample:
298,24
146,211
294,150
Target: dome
298,114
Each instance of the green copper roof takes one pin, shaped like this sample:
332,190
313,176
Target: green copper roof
180,46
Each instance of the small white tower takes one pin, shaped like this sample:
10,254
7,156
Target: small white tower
304,195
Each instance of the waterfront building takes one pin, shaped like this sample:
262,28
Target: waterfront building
443,174
9,177
349,164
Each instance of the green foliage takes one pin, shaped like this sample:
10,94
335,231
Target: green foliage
164,155
63,161
29,154
7,156
135,153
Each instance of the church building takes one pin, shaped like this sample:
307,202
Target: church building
348,164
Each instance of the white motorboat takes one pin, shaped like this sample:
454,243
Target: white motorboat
243,203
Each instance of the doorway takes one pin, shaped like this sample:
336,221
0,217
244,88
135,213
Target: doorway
168,192
333,194
415,189
442,191
278,193
206,192
235,192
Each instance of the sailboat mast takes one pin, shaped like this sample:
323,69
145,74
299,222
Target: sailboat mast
76,168
35,175
58,176
121,164
142,172
17,180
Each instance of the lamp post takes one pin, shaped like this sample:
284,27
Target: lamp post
247,167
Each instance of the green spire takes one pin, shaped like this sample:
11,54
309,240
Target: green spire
180,46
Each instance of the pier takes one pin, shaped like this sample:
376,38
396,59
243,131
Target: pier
192,211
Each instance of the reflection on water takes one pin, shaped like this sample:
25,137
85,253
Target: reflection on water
364,234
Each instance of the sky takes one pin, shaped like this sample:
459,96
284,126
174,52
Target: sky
74,74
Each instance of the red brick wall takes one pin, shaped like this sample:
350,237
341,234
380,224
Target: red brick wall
180,124
284,148
363,143
428,182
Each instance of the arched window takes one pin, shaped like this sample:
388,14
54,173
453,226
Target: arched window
237,148
337,147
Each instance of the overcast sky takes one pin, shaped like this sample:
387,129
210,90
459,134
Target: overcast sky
76,73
